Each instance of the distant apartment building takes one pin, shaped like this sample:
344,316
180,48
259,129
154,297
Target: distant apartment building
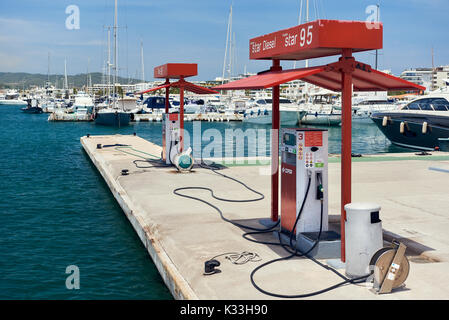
432,79
125,87
440,77
420,76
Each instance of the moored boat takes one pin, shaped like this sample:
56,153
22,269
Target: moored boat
32,107
112,117
12,98
418,125
260,112
321,110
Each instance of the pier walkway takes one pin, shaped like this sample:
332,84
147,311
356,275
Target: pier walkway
181,234
151,117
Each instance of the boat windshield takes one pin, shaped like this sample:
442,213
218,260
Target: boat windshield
374,102
428,104
322,99
270,101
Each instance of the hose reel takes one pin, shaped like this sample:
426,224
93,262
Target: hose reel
391,268
184,161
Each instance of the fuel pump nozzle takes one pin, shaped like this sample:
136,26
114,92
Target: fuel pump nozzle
319,186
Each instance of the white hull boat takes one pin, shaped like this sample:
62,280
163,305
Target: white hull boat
288,118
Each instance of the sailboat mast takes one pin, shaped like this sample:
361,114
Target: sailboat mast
432,86
307,20
230,47
307,12
109,64
142,61
299,22
234,57
377,51
228,40
48,70
66,83
115,55
89,80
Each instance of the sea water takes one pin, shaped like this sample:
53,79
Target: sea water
56,212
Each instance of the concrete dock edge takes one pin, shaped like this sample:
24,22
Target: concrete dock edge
178,286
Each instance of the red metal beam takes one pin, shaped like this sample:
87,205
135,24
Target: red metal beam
346,139
167,95
275,124
181,114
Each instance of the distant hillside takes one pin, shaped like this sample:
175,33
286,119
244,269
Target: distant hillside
19,80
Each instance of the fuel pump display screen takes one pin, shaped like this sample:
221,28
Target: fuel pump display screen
314,139
289,139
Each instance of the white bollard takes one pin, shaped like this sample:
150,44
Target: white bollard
363,237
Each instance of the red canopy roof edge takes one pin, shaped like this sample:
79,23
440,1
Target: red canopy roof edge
269,79
155,88
184,84
327,76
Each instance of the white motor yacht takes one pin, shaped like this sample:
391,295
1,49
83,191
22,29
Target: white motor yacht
320,110
11,97
363,106
260,110
83,104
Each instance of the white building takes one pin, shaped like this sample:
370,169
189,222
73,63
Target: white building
440,77
420,76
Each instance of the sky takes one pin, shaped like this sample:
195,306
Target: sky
194,31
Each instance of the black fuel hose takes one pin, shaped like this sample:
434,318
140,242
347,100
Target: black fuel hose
301,254
211,191
287,247
295,254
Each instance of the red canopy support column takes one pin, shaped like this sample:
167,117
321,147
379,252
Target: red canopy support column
275,124
181,114
346,139
167,96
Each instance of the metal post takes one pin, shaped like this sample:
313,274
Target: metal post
275,124
181,115
346,144
167,96
167,93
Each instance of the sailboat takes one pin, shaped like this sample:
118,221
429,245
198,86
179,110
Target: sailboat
113,115
32,107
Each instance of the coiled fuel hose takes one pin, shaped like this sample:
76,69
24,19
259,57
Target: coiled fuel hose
178,191
293,251
155,161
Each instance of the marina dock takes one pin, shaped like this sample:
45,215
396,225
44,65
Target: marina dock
209,117
181,234
148,117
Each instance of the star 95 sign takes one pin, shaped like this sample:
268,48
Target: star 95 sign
316,39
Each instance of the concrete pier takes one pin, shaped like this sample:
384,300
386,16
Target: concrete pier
69,117
181,234
150,117
209,117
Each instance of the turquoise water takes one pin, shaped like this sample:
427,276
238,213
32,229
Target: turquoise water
56,211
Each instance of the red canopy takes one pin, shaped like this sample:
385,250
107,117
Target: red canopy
328,76
184,84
